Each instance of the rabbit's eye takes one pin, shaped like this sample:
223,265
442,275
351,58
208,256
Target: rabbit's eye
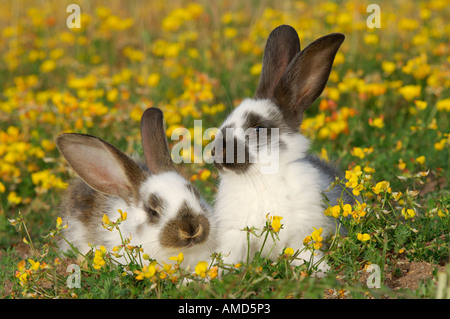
153,214
259,129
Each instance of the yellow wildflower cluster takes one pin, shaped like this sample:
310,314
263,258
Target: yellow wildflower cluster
443,105
176,18
25,274
47,180
314,240
110,225
418,67
356,179
202,175
328,127
274,222
154,271
363,237
359,210
99,261
361,152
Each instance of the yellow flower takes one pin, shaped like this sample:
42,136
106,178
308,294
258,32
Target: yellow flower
226,18
360,152
420,159
388,67
14,199
22,273
360,211
371,39
353,179
417,66
441,213
59,223
276,224
47,180
201,269
307,240
21,265
256,69
34,264
409,92
363,237
289,251
443,105
421,105
335,211
401,165
123,215
133,54
230,33
212,273
315,235
148,271
381,187
347,210
48,145
106,223
377,122
111,96
439,146
339,59
204,174
397,196
153,79
99,262
2,188
408,213
179,259
48,66
315,238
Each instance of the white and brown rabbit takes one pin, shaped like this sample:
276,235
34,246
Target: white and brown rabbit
165,213
263,160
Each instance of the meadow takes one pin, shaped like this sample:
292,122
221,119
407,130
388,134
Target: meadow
383,118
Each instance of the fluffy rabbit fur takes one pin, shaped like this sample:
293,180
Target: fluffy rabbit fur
165,213
290,82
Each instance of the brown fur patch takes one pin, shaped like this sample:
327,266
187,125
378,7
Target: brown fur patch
186,229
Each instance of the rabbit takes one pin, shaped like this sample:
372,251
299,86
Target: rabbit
266,126
165,213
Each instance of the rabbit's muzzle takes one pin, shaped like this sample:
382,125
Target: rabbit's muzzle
185,230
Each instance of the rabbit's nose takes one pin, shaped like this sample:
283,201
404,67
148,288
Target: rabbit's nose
191,233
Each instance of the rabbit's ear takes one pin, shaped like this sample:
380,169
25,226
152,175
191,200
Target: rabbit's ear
306,77
154,141
282,46
101,165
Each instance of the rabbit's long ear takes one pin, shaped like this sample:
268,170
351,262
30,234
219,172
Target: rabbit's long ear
154,141
306,77
101,165
282,46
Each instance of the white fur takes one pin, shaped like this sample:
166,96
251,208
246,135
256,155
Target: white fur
293,192
172,188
